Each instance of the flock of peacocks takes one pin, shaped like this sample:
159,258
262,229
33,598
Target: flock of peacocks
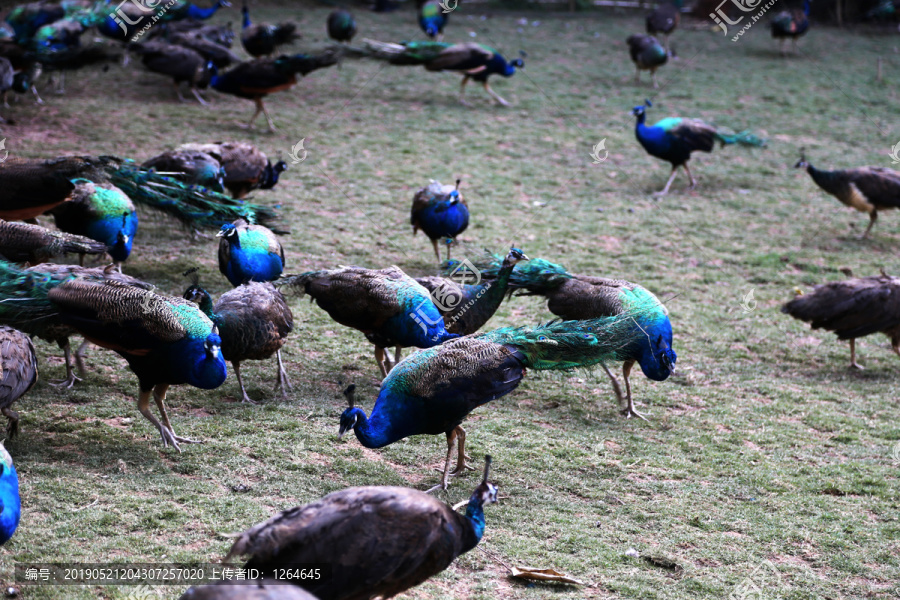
461,364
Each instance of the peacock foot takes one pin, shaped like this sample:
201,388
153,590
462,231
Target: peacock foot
247,399
856,365
169,437
66,383
630,411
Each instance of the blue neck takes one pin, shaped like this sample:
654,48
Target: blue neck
475,514
371,433
195,366
10,503
246,14
195,12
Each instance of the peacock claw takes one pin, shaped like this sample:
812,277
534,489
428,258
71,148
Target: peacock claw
247,399
857,366
66,383
169,437
629,412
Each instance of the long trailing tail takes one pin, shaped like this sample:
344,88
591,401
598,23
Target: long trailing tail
744,138
408,53
298,282
193,205
537,276
307,63
23,294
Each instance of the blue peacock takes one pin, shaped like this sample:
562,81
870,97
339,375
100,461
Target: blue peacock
10,504
433,390
387,305
790,25
647,341
673,139
432,19
249,253
440,212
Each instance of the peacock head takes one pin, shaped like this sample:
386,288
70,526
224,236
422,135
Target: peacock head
802,164
486,492
514,257
201,298
213,344
658,361
229,232
350,416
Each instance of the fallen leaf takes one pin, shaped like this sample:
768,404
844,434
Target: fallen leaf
543,575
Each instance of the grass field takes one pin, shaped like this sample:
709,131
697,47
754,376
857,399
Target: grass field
765,452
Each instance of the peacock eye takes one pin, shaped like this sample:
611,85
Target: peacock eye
542,338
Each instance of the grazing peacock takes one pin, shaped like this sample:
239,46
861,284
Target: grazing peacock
256,79
341,26
387,305
253,321
31,187
190,166
378,540
10,504
648,342
266,589
440,212
673,139
246,167
474,61
433,390
249,253
211,51
433,19
664,19
178,62
867,189
647,55
263,39
102,212
789,25
852,308
22,242
467,307
18,286
18,374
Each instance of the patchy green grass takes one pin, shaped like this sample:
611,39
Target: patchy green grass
765,448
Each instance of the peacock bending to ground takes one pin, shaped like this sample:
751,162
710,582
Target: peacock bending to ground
249,253
789,25
253,321
648,342
852,308
378,540
433,390
341,26
190,166
647,54
433,19
22,242
867,189
473,61
256,79
664,19
440,212
102,212
246,167
182,64
265,589
467,307
10,504
673,139
18,374
388,306
263,39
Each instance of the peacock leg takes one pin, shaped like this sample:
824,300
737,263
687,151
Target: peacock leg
262,106
665,190
615,383
79,356
398,354
159,395
873,216
37,97
197,95
495,95
437,254
853,363
178,92
451,437
237,372
653,77
462,91
61,83
461,455
449,246
691,177
283,383
256,114
143,406
12,426
637,76
70,379
5,100
379,359
629,410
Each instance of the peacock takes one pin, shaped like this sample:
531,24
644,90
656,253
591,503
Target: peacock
473,61
190,166
673,139
7,82
569,296
18,374
263,39
246,167
249,253
18,285
101,212
222,35
26,19
10,504
467,307
210,50
341,26
266,589
852,308
253,321
867,189
440,212
23,242
256,79
166,340
388,306
789,25
182,64
647,54
433,19
31,187
377,540
26,68
664,19
433,390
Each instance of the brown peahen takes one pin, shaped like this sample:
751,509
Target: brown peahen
246,167
867,189
22,242
32,186
213,52
377,541
266,589
570,296
262,39
664,19
18,373
388,306
182,64
852,308
253,321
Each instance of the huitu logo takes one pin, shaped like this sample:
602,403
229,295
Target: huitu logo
298,152
595,153
448,6
895,151
748,303
448,297
762,579
4,153
720,16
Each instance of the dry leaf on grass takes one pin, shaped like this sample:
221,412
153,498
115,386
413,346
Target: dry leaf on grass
543,575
